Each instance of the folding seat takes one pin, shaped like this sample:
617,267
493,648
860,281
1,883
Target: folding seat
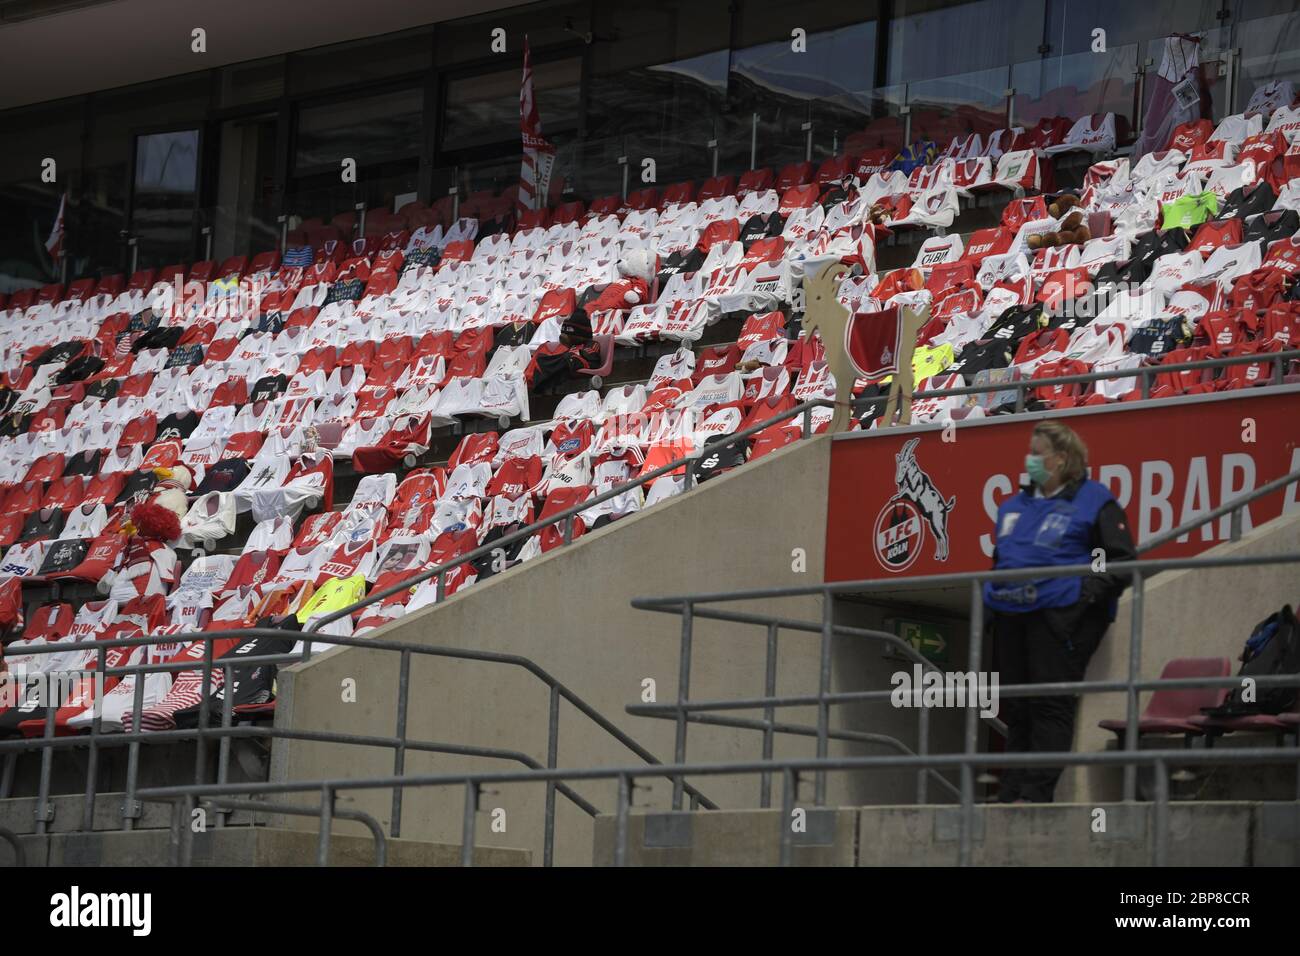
1177,711
794,174
679,193
22,299
80,290
404,442
647,198
47,467
559,500
49,294
755,180
533,219
716,187
834,170
605,206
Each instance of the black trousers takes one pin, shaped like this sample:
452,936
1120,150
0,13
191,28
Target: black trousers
1045,646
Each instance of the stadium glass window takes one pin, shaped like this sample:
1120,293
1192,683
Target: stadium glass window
658,82
257,81
28,205
1268,35
483,109
545,24
164,196
953,38
826,81
116,119
361,61
367,129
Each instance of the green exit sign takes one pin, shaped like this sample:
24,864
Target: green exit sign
927,638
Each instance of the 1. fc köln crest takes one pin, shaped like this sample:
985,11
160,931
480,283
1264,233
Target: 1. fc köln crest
900,529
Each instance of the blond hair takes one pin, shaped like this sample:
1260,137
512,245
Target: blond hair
1064,441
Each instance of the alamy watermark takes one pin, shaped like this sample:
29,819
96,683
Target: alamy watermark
927,687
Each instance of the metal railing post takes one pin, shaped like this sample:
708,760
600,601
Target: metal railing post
1160,838
683,695
361,219
1131,696
205,712
823,688
922,748
467,824
789,788
769,715
753,141
44,811
552,761
326,825
130,808
92,753
971,734
399,752
284,232
620,819
227,721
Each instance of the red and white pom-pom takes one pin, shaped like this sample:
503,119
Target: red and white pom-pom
155,523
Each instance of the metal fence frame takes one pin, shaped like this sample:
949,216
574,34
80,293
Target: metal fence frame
227,731
689,607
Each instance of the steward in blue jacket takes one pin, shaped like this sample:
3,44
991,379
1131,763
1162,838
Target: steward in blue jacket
1047,629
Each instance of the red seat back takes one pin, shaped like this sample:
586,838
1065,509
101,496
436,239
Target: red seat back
647,198
568,212
1181,704
716,187
755,180
795,174
679,193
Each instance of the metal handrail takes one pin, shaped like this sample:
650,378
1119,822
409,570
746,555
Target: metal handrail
400,743
566,515
789,768
573,511
688,607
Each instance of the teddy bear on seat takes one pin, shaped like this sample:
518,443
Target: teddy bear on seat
1070,231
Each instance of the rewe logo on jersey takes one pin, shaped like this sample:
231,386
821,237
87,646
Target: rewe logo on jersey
900,528
74,909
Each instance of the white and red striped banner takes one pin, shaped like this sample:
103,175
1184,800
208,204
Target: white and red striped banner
539,154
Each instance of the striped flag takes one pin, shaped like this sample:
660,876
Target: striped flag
539,155
54,244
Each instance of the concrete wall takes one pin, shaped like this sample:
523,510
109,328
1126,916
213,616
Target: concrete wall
1199,834
569,612
1205,613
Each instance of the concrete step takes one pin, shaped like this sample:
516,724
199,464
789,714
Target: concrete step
241,846
1203,833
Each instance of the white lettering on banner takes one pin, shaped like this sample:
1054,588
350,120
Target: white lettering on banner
1196,497
1155,497
1231,464
1166,498
996,488
1291,503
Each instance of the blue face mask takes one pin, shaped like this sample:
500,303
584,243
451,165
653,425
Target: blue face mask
1036,470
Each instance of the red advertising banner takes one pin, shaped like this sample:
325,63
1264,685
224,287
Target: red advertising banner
923,500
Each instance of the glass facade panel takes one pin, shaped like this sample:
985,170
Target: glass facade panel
164,195
28,204
361,61
367,129
935,38
771,81
484,109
